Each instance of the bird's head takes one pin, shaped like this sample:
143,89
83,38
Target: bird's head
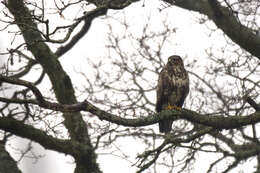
175,60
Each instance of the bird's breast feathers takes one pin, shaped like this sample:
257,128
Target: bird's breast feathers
178,78
179,81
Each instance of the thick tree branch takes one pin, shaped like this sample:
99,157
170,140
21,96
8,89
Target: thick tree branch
226,20
113,4
48,142
18,101
218,122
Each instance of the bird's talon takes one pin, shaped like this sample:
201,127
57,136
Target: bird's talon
170,107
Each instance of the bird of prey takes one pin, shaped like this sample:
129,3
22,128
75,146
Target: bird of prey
172,89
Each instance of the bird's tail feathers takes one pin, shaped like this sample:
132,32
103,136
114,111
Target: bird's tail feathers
165,126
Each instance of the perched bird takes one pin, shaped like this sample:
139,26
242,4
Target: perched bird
172,89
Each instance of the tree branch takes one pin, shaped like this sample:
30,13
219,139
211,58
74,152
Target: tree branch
219,122
48,142
225,19
88,18
252,103
29,85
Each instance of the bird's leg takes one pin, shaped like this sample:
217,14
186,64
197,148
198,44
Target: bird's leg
170,107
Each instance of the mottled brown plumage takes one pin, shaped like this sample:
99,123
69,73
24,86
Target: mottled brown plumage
172,88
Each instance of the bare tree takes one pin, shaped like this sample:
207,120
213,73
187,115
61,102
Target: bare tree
221,115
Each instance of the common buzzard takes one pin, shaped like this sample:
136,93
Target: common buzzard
172,88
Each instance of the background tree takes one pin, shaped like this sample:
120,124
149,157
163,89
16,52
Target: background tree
112,99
